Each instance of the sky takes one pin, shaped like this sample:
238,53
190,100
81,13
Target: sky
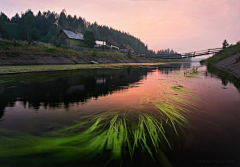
181,25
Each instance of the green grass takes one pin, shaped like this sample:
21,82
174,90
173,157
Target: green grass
8,47
115,134
191,73
42,68
203,61
68,144
225,53
19,47
238,59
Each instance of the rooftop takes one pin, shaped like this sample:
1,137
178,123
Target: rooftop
113,43
124,46
73,35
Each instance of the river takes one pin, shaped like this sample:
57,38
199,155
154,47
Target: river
196,108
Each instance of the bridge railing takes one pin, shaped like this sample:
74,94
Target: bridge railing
201,52
186,55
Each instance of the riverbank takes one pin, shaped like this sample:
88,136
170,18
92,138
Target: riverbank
13,59
48,68
16,53
16,57
230,65
227,60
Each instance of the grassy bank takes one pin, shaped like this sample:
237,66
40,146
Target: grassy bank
9,47
46,68
10,50
20,53
225,53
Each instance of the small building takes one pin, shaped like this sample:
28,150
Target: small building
126,48
112,44
72,38
100,43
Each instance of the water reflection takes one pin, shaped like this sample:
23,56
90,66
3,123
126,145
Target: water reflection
64,88
225,77
215,134
114,134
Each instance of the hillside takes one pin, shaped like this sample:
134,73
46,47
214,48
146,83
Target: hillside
230,65
20,53
45,26
227,60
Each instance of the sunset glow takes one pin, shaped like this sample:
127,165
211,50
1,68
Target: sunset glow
183,26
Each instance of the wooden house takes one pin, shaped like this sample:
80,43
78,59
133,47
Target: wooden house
112,44
72,38
126,48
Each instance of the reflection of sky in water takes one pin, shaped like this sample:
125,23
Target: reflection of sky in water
125,96
215,133
121,90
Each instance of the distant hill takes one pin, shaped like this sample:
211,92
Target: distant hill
44,26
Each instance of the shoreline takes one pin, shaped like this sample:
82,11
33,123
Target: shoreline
8,70
229,65
16,63
34,59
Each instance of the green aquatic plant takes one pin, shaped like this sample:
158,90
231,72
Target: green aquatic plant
69,144
173,105
191,72
181,90
116,134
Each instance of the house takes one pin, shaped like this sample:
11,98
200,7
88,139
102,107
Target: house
100,43
126,48
72,38
112,44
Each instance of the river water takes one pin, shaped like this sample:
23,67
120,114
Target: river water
41,103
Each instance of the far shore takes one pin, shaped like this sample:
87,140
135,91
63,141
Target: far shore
50,68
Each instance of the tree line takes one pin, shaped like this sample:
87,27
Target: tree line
166,51
45,26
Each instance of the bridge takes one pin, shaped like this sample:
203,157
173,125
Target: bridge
188,55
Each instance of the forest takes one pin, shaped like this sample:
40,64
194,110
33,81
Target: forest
45,26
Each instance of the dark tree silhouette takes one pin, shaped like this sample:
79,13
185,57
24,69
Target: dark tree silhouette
89,39
225,44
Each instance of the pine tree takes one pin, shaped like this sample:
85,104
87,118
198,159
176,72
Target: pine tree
63,19
225,44
89,39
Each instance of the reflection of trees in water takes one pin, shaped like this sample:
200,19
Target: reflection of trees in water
169,68
67,90
75,89
117,135
225,77
186,65
224,81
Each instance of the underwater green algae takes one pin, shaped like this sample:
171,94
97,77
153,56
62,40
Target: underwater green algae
116,135
191,73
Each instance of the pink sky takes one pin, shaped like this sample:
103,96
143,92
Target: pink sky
181,25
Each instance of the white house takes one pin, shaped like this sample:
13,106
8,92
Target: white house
100,43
